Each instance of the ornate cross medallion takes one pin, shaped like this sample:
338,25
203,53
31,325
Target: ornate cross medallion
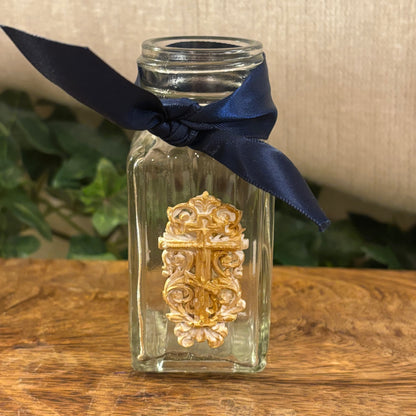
203,259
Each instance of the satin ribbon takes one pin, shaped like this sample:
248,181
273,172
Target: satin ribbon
231,130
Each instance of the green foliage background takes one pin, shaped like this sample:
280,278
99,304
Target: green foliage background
57,165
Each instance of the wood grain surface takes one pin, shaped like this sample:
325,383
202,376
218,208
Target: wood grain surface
343,342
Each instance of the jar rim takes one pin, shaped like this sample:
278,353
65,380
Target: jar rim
199,49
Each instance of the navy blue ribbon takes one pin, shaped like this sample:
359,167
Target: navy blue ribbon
231,130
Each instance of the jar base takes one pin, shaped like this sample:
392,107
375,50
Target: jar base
169,364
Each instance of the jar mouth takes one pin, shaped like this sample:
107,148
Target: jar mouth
202,68
200,50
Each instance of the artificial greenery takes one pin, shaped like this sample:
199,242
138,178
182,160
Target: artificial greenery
53,165
358,241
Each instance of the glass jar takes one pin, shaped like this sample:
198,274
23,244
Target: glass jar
200,284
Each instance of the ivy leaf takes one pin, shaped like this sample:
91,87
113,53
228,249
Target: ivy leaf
23,209
9,148
107,182
75,170
382,254
4,132
294,241
408,252
26,128
37,163
13,105
106,198
75,138
7,116
11,175
85,247
16,99
71,136
32,133
117,145
401,243
19,246
340,245
372,230
70,197
8,224
298,242
114,212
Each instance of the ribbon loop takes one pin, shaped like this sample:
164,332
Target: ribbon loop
230,130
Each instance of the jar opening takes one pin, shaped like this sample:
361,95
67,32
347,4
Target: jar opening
197,44
200,50
204,68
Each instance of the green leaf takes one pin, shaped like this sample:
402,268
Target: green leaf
372,230
340,245
294,241
22,208
114,212
4,132
85,247
75,138
14,104
298,242
71,136
32,133
106,198
11,175
29,214
70,197
16,99
382,254
107,182
124,254
37,163
9,149
19,246
8,224
6,115
117,144
75,170
407,251
401,243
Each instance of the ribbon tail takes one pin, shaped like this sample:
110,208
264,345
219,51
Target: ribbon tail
266,168
86,77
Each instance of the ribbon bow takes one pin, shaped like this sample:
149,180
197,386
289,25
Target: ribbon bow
230,130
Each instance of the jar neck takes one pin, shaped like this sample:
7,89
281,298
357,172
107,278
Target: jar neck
201,68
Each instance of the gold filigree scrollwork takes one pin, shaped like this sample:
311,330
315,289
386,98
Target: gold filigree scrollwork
203,259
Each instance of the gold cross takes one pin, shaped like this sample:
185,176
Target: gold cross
209,235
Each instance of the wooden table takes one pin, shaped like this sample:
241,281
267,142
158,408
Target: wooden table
343,342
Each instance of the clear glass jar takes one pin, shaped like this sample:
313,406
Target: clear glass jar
196,305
